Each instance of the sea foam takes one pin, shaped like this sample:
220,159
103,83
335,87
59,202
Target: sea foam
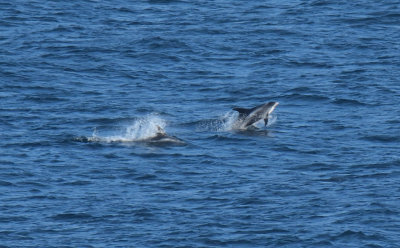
141,129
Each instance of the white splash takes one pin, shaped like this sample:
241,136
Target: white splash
141,129
228,121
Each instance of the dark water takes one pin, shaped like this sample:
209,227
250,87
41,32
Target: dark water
83,83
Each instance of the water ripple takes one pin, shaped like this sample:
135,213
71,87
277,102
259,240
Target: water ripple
86,83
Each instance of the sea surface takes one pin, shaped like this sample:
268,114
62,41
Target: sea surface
85,85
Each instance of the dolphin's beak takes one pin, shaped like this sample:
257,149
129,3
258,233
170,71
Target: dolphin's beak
273,107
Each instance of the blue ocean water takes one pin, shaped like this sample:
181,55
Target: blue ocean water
85,83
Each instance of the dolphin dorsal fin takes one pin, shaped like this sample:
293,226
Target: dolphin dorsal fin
160,130
243,112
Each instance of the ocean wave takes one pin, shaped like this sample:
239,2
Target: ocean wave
382,138
306,97
5,183
158,42
72,216
351,102
44,98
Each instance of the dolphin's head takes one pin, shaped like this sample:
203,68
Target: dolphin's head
271,106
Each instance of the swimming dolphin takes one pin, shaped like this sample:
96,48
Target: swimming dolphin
159,138
248,117
162,137
161,134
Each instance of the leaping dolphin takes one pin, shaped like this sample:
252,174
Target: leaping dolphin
248,117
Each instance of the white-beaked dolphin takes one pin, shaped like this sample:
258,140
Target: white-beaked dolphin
162,137
248,117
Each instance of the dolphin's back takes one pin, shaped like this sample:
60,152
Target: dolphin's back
243,112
